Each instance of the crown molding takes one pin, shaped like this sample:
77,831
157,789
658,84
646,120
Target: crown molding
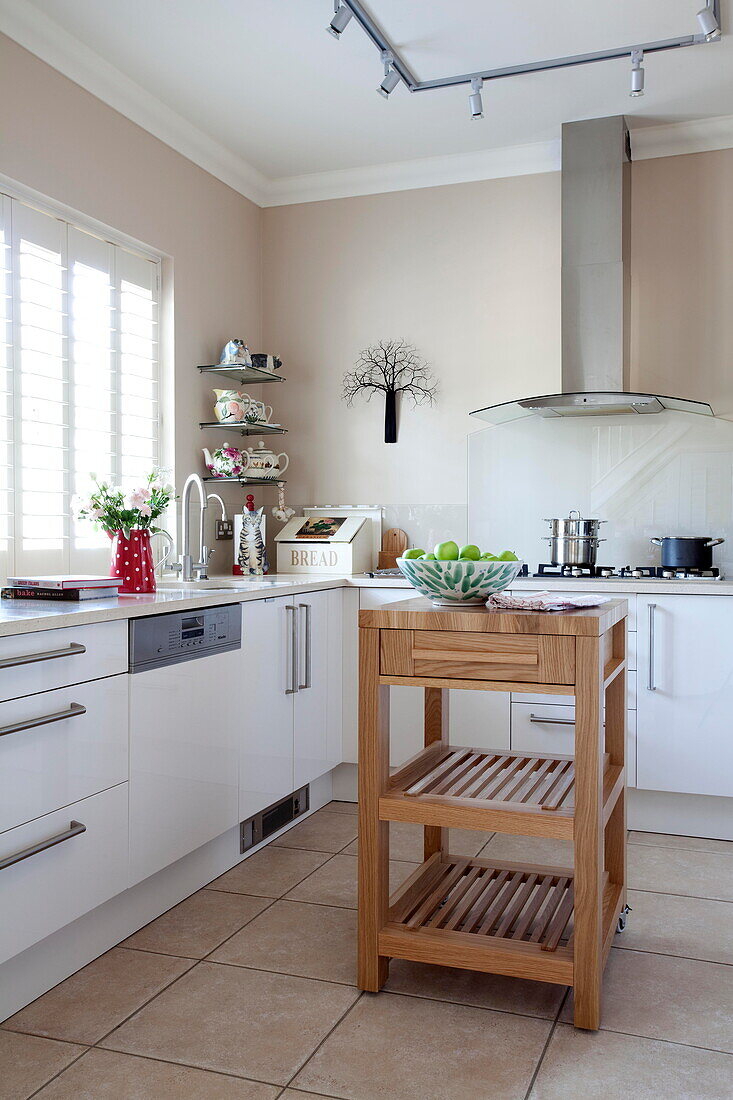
407,175
45,38
674,139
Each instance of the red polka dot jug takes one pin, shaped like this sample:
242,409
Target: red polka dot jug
132,560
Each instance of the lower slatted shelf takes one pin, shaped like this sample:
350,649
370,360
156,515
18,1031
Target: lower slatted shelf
482,899
481,915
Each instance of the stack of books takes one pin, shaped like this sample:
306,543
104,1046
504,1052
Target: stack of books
61,587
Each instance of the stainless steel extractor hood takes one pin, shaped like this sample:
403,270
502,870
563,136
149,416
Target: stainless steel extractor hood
596,202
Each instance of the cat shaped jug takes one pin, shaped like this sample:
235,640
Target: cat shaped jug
252,558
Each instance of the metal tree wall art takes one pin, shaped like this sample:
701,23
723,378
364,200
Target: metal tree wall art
390,367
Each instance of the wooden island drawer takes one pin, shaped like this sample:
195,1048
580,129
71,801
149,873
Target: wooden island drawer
531,658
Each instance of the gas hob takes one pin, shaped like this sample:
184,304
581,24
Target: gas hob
547,572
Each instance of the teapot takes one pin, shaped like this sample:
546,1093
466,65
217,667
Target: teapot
263,462
226,461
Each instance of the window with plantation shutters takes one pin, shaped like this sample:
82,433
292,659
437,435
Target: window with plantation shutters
79,386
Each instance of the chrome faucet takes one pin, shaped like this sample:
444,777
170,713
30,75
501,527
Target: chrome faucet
189,569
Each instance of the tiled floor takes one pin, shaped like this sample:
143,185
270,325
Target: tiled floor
245,991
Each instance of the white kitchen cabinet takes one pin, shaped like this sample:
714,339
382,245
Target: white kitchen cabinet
59,866
47,659
290,732
685,698
58,747
549,728
185,722
478,719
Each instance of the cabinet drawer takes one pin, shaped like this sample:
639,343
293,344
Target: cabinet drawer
551,730
61,759
51,659
48,889
546,659
569,700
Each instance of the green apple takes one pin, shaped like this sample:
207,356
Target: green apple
470,552
447,551
427,557
415,552
488,557
508,555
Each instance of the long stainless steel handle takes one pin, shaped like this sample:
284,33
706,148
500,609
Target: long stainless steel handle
72,711
551,721
307,682
650,684
294,677
71,650
74,829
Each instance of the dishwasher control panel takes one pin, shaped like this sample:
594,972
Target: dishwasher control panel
183,635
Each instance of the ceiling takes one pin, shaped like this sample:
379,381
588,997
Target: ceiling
261,86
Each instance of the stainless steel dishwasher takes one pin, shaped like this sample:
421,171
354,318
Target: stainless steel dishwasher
186,706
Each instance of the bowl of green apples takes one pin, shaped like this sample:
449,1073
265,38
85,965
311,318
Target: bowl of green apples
453,574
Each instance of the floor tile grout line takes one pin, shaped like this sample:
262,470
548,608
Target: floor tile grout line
45,1083
545,1048
207,956
657,1039
145,1004
681,848
311,1056
671,894
668,955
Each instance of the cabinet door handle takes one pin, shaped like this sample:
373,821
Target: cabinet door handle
74,829
308,646
551,721
71,650
293,645
74,710
650,683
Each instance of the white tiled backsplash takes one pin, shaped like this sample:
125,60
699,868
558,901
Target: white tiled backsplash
665,474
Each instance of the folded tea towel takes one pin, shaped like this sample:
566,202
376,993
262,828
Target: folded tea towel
543,601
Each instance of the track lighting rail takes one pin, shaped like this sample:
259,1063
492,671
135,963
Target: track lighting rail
708,17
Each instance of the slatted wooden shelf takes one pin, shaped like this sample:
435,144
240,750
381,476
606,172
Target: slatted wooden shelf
474,789
465,906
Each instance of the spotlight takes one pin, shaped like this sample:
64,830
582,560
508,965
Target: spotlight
391,76
475,102
709,25
390,82
637,74
341,17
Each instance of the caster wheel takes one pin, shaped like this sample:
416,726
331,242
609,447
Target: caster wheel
623,916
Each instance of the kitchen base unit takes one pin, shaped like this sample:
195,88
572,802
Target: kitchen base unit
290,706
552,924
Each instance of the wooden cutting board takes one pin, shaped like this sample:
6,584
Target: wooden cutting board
394,544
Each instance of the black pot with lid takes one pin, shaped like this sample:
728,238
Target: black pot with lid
686,551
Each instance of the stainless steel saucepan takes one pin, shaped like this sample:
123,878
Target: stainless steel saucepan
574,540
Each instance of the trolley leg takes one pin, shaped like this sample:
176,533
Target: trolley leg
436,730
373,833
588,952
615,743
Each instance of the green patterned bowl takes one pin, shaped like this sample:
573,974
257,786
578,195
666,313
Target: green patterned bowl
453,582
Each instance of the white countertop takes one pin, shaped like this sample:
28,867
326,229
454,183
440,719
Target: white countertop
26,616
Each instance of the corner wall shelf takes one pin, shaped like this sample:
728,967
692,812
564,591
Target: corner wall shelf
246,480
242,375
247,429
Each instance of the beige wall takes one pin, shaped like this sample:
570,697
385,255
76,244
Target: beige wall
682,277
68,145
468,273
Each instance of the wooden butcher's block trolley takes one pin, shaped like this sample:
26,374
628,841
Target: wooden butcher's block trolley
552,924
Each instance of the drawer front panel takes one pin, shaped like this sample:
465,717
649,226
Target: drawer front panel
49,889
551,729
535,658
569,700
62,759
50,659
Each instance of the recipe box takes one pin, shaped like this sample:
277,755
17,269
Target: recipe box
339,545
